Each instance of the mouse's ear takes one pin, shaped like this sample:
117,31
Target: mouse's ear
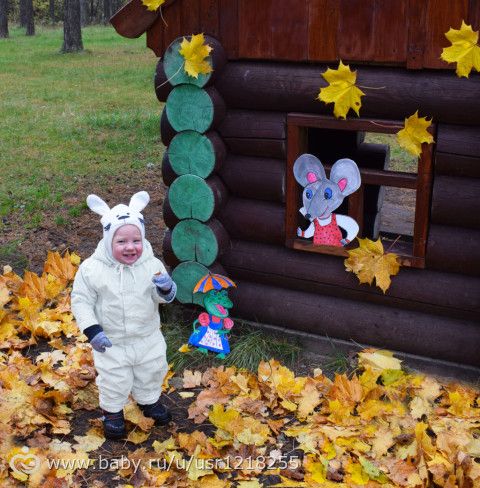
139,201
97,205
308,169
346,175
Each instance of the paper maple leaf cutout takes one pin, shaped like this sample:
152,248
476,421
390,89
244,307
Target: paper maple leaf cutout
414,133
153,4
194,52
341,90
464,49
368,261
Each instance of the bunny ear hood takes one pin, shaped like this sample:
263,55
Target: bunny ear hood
119,215
97,205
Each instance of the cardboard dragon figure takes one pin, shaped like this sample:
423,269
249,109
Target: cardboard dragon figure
215,323
322,195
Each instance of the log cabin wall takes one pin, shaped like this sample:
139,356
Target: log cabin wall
432,312
398,32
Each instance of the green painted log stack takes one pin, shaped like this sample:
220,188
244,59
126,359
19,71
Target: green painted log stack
195,152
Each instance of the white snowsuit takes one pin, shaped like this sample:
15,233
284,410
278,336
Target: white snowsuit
124,301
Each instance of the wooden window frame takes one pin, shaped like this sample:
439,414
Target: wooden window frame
411,254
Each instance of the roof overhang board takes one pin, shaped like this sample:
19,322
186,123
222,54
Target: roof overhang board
133,19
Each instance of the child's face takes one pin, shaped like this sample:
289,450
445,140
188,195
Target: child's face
127,244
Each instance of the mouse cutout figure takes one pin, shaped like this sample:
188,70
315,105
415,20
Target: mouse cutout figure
215,323
322,195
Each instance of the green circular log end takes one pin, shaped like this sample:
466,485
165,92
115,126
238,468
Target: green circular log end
174,66
189,108
191,153
186,275
191,198
194,241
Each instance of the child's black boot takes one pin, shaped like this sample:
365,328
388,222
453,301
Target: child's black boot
114,425
157,412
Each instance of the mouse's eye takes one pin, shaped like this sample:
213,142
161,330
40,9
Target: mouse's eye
309,194
328,193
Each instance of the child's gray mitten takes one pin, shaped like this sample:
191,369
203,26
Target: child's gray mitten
163,281
100,342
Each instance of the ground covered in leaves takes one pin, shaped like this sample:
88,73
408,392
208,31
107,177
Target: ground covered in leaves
378,427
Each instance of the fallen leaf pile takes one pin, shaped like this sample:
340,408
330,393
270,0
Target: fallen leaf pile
380,427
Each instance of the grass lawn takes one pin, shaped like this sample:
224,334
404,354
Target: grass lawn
70,117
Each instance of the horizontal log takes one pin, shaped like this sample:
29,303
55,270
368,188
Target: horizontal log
253,124
258,178
133,19
440,293
192,197
385,327
453,249
456,201
254,220
458,139
264,148
170,219
190,152
293,88
332,144
167,132
196,241
160,83
457,165
186,275
167,252
191,108
174,63
168,173
370,155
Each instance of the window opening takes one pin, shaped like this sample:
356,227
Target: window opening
394,198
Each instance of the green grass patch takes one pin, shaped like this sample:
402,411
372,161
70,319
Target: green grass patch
69,117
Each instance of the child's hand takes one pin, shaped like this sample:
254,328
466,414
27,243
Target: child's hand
162,281
100,342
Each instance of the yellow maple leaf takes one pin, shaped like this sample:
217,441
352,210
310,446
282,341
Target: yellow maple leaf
414,133
341,90
60,267
464,49
184,348
378,360
191,379
153,4
194,52
369,261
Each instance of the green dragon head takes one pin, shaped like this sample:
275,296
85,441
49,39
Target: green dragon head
217,303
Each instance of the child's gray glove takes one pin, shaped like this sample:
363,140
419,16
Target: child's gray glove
100,342
163,281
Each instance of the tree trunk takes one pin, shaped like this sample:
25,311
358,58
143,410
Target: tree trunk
72,31
29,18
22,13
83,13
3,19
51,10
107,11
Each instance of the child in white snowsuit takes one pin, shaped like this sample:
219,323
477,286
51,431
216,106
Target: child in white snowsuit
115,300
